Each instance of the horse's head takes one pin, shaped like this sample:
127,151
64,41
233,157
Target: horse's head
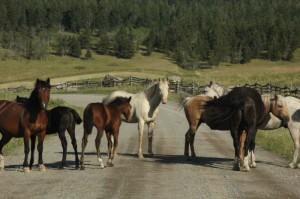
41,93
215,90
164,90
279,109
127,109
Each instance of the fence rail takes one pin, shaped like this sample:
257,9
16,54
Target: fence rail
175,86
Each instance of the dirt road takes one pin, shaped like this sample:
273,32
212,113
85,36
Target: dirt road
168,175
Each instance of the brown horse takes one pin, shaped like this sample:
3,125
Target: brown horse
26,120
196,112
105,118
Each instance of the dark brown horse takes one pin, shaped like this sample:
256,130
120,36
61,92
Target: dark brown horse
105,118
231,113
25,120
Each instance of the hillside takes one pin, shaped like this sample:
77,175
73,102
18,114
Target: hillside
16,71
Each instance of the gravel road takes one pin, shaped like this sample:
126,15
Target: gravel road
167,175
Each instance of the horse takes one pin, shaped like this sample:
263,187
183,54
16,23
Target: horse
60,119
272,122
26,120
105,118
197,112
144,109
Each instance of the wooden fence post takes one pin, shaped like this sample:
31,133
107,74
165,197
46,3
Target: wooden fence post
130,81
193,88
176,87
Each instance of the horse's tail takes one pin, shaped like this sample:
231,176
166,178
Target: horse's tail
223,109
77,118
88,119
183,102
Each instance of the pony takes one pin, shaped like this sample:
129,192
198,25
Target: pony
204,109
144,109
60,119
105,118
26,120
271,122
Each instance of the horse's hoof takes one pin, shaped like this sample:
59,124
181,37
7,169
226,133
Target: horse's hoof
152,155
60,167
253,166
188,158
140,156
246,169
110,164
236,167
77,167
298,166
82,168
42,168
26,169
292,165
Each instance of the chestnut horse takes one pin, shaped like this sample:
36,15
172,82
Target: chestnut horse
198,112
105,118
26,120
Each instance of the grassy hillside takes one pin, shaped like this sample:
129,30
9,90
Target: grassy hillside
17,71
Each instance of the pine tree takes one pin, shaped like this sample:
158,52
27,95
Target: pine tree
124,47
74,47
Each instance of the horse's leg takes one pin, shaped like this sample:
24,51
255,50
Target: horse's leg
235,136
26,150
32,138
83,145
4,140
242,142
295,134
190,138
251,149
64,144
40,150
150,137
115,146
249,137
97,144
141,131
71,131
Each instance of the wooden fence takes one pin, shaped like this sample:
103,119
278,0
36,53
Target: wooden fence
175,86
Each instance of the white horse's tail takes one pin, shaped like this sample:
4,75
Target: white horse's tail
183,102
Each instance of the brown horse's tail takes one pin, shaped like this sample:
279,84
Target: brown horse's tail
78,119
183,102
88,119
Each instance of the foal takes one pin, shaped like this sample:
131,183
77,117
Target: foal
105,118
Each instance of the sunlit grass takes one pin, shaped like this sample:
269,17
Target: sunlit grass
278,141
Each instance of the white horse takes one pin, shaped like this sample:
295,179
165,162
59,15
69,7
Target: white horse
271,122
144,108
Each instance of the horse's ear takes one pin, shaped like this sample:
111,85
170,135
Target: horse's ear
129,99
210,83
48,80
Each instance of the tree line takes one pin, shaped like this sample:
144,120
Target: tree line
194,33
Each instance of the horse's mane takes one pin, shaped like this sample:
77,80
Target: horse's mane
150,91
118,100
112,97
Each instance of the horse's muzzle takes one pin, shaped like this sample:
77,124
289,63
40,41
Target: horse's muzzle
284,122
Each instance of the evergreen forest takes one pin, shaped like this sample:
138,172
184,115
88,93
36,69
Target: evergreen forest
193,33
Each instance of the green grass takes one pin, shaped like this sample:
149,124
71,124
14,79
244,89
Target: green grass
278,141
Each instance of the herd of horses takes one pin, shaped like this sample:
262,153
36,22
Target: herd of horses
240,110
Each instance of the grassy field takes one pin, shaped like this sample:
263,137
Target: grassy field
16,71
